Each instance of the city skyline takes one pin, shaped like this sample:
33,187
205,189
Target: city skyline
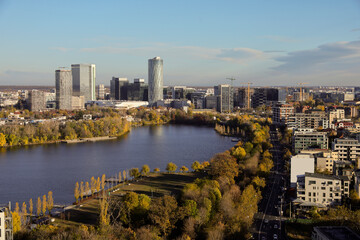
277,43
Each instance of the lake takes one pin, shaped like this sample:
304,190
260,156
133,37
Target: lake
32,171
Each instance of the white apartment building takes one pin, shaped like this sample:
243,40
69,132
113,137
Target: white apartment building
6,232
282,112
299,165
348,149
324,158
322,189
304,140
337,114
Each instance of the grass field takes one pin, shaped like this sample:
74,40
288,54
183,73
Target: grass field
153,185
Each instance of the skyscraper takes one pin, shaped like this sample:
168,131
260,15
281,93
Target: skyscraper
225,98
84,76
155,80
63,83
118,88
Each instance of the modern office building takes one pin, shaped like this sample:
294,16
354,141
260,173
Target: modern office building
36,101
304,140
137,91
323,189
118,88
155,78
333,233
225,98
84,78
63,83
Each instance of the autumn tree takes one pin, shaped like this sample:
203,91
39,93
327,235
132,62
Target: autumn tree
223,164
2,139
82,190
23,214
50,202
156,170
195,166
163,213
145,169
134,172
103,180
239,153
31,207
124,175
44,205
104,216
87,188
184,169
16,221
76,192
98,184
38,207
92,185
171,167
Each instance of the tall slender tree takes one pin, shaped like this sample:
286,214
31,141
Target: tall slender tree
87,188
43,207
38,207
82,189
103,179
23,214
98,184
124,175
93,185
31,207
76,192
50,202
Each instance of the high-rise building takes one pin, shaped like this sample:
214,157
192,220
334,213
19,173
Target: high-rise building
100,92
225,98
36,100
118,88
137,91
63,83
84,77
155,74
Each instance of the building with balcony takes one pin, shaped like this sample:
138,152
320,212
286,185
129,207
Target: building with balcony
348,149
305,140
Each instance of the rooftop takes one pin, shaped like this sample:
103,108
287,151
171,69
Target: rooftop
337,232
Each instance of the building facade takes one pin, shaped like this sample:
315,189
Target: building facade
304,140
348,149
84,78
155,76
36,101
63,83
100,93
299,165
224,98
6,225
322,189
282,112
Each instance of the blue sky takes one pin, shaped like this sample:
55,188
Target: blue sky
202,42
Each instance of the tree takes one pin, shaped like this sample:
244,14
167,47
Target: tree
163,213
92,185
82,189
134,172
103,179
31,207
2,139
87,188
171,167
23,213
98,184
38,207
76,192
223,164
184,169
43,209
104,206
50,202
156,169
124,175
16,221
145,169
195,166
120,176
239,153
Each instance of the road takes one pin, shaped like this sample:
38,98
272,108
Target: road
268,221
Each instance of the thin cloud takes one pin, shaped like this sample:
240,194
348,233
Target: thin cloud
281,39
355,30
61,49
239,54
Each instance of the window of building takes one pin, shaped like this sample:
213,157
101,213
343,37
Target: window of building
309,194
330,182
314,194
312,182
324,194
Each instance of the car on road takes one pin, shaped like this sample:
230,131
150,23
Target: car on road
275,237
275,226
266,221
263,238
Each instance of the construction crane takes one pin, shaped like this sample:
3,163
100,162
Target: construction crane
248,94
301,92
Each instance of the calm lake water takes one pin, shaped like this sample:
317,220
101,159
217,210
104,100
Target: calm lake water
30,172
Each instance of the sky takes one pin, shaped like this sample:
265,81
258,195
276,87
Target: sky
202,43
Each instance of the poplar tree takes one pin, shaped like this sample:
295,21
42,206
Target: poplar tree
92,185
119,176
50,202
23,214
87,188
124,175
43,207
103,179
104,206
98,184
76,192
31,207
38,207
82,190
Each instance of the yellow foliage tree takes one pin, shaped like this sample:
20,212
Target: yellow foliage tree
50,202
31,206
2,139
103,179
16,221
98,184
92,185
82,190
76,192
43,206
23,214
38,207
